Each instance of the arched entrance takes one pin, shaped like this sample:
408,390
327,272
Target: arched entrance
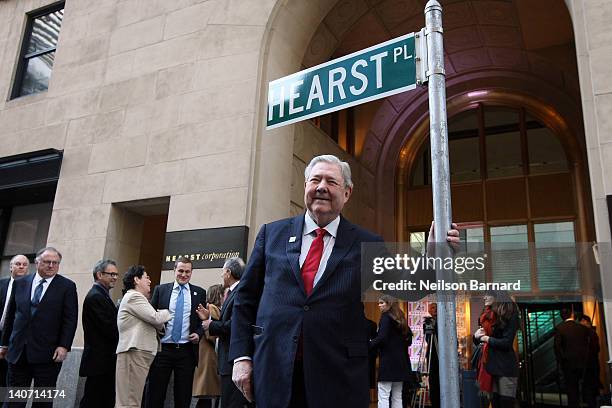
509,62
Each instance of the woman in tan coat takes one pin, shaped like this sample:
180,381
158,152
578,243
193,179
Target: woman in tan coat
138,324
206,381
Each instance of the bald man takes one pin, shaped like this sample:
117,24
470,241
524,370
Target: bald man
18,267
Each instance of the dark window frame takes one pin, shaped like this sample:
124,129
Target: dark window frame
24,56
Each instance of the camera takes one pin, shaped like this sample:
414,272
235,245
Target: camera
429,326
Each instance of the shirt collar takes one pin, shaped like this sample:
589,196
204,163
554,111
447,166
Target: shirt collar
234,285
176,285
310,226
102,286
38,278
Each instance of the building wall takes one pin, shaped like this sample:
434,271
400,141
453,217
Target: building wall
591,21
147,99
150,99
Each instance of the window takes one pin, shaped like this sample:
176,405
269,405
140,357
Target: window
500,137
510,255
38,51
418,242
556,256
24,231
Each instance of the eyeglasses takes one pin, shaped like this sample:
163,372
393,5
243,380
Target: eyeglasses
51,263
112,274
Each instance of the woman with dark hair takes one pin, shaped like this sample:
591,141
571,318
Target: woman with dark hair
138,323
391,343
206,380
498,368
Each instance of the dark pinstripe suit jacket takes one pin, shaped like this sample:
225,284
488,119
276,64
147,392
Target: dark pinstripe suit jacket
271,312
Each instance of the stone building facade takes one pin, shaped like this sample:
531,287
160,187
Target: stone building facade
157,111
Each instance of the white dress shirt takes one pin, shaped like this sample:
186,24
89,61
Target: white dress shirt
233,286
186,313
36,281
329,240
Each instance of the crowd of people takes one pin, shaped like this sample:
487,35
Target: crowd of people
292,333
286,330
130,350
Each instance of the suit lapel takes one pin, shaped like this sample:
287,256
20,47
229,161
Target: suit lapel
104,293
228,302
344,242
194,299
28,292
164,298
296,230
49,292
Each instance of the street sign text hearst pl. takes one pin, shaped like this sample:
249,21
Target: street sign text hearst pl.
373,73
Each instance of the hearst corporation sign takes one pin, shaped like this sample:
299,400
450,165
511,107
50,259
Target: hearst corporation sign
206,248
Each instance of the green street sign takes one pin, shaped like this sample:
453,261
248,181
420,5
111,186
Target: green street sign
373,73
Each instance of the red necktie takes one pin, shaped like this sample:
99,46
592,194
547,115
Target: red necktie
313,259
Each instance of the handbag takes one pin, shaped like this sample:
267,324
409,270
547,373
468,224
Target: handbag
476,357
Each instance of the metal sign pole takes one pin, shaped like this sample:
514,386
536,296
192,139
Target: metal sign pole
447,325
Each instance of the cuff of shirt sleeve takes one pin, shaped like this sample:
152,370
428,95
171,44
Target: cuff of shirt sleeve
243,358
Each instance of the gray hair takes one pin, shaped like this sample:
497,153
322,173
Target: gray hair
236,267
15,257
330,158
101,265
45,249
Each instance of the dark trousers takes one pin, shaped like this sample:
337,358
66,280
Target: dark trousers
231,397
207,403
99,391
572,384
182,362
497,401
434,387
22,374
3,372
298,388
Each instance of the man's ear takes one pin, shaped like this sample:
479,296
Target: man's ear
347,193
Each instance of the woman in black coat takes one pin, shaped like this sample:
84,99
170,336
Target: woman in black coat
391,343
499,324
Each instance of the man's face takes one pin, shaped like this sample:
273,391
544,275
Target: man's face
183,272
19,266
48,264
226,275
108,278
433,310
325,193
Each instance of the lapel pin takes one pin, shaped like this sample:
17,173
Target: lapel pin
292,239
195,293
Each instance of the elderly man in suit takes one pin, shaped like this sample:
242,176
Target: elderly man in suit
179,353
298,325
101,337
18,268
231,397
40,324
